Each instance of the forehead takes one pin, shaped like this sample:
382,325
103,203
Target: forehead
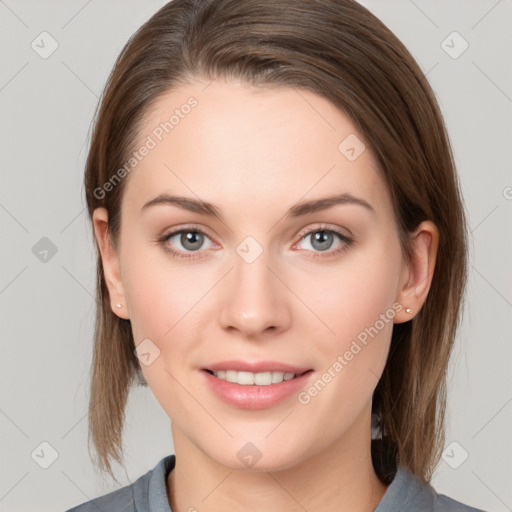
227,142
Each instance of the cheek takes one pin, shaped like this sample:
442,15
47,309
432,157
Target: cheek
354,297
166,301
156,293
160,301
357,304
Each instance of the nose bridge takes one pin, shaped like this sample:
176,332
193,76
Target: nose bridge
254,299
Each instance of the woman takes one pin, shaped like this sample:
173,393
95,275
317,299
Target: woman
281,258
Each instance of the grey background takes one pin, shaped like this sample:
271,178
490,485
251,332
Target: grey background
46,106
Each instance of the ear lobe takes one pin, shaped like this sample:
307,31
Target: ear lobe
110,261
419,272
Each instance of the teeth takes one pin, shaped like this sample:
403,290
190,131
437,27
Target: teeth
249,378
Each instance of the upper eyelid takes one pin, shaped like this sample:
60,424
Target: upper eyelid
325,227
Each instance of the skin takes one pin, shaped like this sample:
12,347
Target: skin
254,153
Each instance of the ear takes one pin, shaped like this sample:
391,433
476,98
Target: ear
416,276
110,260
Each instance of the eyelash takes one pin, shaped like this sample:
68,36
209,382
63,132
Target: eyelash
348,241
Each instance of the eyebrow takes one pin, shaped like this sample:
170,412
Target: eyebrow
299,209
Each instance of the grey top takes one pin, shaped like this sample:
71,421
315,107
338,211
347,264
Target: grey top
406,493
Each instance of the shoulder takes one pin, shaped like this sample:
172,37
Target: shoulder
409,493
115,501
149,489
444,503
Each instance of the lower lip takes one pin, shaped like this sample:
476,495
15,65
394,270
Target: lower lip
255,397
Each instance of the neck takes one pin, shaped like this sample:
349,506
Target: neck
339,478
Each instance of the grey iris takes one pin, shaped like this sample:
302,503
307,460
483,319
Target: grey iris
321,240
191,240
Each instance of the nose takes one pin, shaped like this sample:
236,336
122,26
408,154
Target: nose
254,300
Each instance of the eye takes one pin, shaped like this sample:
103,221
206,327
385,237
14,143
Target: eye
186,240
325,242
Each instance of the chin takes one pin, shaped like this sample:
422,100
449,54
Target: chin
250,458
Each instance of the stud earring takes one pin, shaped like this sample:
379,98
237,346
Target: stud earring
119,306
408,310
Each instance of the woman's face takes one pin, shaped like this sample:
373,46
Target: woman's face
274,278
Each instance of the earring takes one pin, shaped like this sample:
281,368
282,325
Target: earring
119,306
408,310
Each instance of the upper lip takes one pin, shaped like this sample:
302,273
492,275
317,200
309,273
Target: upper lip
256,367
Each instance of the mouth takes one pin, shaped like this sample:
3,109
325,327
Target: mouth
246,378
255,385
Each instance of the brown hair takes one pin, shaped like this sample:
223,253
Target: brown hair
340,51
